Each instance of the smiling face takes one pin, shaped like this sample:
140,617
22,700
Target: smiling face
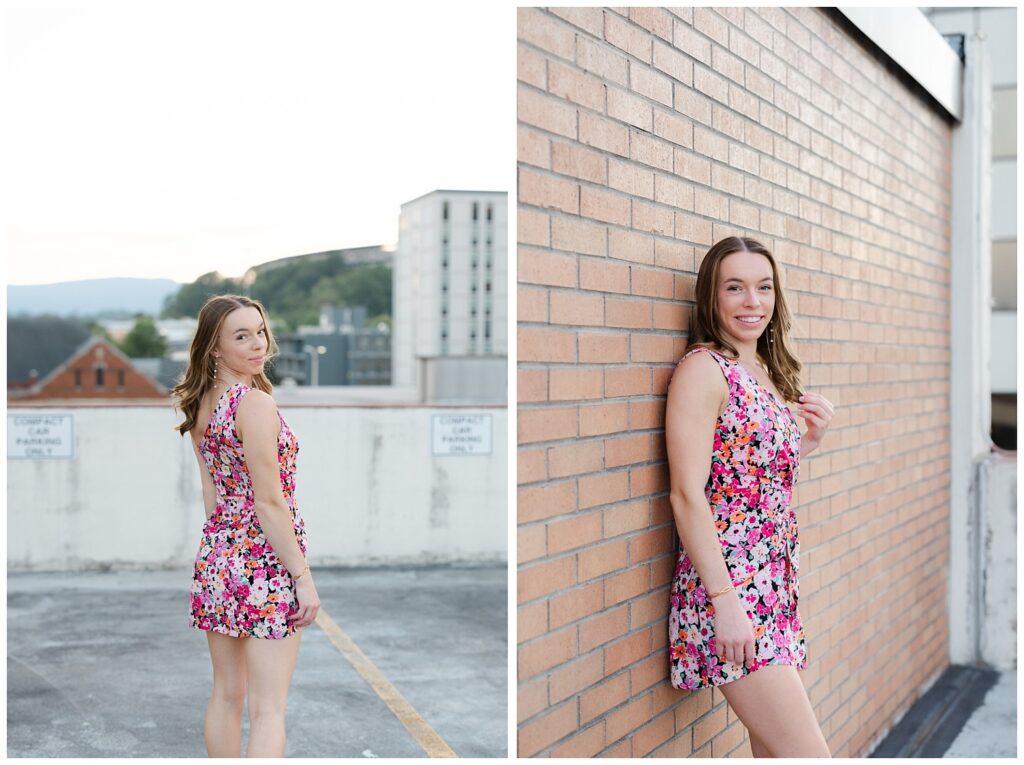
241,347
745,296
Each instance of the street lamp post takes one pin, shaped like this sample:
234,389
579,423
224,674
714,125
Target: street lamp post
315,353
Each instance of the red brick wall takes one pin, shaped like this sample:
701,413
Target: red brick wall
62,385
646,135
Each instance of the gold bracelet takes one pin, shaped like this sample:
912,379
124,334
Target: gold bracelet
302,574
721,592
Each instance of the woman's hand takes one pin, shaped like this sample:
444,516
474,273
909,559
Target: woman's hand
734,633
817,412
308,601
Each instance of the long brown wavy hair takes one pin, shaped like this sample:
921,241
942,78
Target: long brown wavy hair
773,346
198,375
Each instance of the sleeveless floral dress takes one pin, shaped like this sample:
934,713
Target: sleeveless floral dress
239,586
754,466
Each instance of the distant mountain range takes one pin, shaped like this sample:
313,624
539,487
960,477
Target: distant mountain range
102,298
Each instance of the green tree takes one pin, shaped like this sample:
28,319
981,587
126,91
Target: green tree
292,292
144,340
287,289
368,284
190,297
278,323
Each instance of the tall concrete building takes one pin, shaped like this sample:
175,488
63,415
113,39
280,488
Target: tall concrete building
450,296
999,27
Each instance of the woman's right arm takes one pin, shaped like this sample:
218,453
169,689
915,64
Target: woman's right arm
258,419
695,396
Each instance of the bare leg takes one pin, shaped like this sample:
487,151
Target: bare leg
222,728
270,665
757,748
773,706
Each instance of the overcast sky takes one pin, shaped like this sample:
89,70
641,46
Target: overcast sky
171,140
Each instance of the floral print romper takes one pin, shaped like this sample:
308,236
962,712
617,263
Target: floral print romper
754,466
239,586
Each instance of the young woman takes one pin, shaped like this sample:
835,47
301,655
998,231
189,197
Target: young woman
252,590
734,450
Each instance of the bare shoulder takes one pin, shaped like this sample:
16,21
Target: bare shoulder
256,405
701,370
698,380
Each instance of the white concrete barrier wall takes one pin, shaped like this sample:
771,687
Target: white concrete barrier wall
999,561
368,485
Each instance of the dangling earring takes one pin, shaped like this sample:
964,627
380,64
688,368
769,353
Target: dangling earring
215,368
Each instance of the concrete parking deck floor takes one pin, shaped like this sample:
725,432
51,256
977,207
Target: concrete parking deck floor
991,730
970,711
105,664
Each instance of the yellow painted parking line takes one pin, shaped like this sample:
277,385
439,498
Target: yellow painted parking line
425,736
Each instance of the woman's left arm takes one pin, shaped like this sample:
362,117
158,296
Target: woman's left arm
817,412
